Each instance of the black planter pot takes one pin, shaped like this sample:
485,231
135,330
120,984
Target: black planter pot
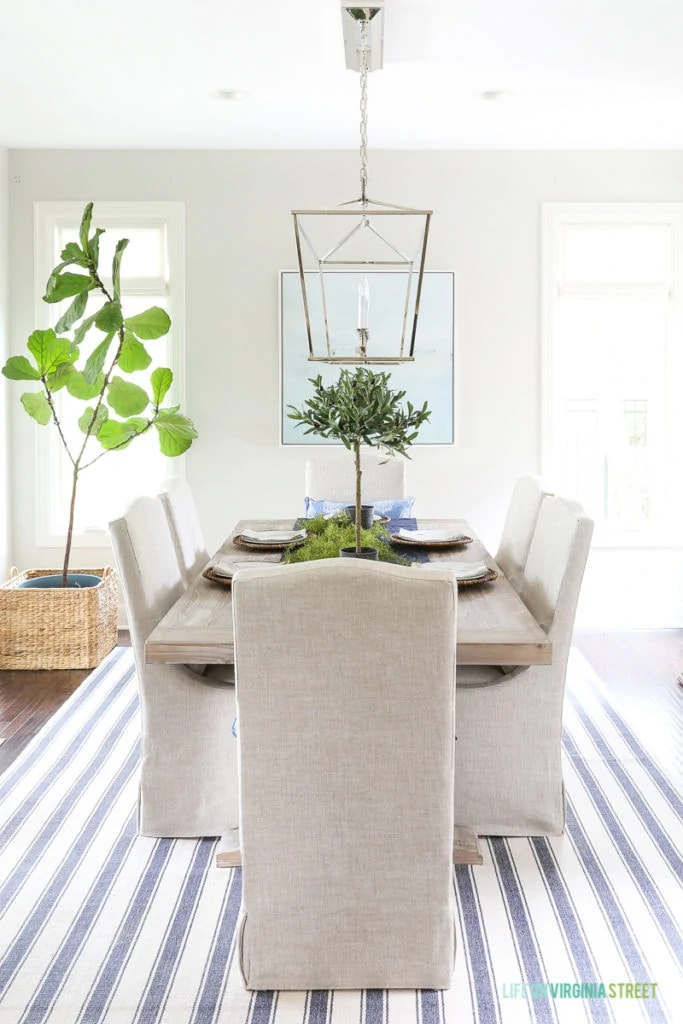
371,553
366,515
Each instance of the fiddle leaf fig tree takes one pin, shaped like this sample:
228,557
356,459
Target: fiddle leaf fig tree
361,409
92,356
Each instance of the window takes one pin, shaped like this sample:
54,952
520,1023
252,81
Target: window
152,275
613,349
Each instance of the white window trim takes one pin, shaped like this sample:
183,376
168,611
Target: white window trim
46,217
555,215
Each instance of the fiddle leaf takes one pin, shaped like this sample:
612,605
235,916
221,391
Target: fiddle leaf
49,351
116,266
109,318
95,360
153,323
84,229
37,406
134,356
86,418
63,286
176,432
94,247
125,398
72,253
161,380
116,434
79,387
19,368
73,313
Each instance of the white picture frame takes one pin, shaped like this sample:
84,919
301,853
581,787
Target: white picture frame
429,378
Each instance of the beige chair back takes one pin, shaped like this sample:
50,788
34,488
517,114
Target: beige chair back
188,774
509,750
148,568
332,476
186,531
554,571
518,529
346,694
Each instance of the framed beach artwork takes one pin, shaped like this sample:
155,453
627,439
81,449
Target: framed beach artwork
428,379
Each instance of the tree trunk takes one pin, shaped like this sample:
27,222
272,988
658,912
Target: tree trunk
70,531
358,476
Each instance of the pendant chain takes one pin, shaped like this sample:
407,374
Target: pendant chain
364,106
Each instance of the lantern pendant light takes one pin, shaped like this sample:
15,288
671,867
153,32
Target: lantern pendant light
361,264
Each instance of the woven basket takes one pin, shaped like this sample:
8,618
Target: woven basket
60,627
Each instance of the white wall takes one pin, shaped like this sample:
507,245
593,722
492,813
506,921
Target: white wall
5,553
486,227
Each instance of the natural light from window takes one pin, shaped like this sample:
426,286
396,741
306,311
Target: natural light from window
612,425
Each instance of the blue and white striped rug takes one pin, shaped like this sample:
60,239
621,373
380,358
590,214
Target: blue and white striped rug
98,925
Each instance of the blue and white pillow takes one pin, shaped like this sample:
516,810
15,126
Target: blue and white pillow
395,508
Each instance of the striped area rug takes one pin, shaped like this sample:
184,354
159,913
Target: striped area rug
99,925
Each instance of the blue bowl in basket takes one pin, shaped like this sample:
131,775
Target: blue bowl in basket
75,581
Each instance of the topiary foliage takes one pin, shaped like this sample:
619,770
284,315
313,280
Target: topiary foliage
361,409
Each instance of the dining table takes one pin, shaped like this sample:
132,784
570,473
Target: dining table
495,627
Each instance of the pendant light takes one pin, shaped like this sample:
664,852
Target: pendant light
361,264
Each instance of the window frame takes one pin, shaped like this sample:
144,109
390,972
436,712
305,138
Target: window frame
554,217
47,216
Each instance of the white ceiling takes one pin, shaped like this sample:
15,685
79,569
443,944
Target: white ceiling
144,73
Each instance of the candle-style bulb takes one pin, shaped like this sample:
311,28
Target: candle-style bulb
363,303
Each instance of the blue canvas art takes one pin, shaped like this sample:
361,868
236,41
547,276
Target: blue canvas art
428,379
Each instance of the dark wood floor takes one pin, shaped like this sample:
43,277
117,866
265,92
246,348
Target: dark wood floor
634,663
28,699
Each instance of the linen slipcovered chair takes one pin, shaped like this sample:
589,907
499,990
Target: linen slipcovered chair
188,775
508,755
346,736
518,529
332,476
186,531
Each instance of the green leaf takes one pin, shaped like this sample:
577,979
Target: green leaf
114,433
139,422
95,360
94,246
37,406
72,253
78,386
57,380
176,432
116,266
19,368
153,323
49,351
161,380
84,327
85,419
84,229
109,318
125,398
73,313
134,356
63,286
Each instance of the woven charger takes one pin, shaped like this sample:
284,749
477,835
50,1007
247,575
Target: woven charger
209,574
490,576
430,543
279,545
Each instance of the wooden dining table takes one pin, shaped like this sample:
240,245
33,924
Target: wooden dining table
494,625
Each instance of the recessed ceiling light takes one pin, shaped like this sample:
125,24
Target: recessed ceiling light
494,94
231,94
